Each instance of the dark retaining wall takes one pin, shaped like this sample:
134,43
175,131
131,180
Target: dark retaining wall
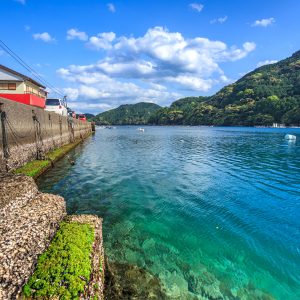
30,132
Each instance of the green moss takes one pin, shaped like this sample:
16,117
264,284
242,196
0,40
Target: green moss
59,152
33,168
64,269
37,167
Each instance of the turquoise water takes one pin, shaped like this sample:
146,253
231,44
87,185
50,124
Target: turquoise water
214,213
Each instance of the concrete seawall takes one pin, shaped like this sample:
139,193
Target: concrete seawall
28,132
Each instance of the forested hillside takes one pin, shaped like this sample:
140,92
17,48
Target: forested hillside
269,94
127,114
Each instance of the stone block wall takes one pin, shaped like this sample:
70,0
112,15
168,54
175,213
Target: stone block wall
31,131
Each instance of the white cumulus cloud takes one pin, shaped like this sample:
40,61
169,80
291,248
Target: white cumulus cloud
73,34
263,22
266,62
157,66
100,92
111,7
45,37
101,41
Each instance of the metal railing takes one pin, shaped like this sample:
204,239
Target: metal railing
36,94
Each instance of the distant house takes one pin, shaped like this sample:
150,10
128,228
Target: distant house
20,88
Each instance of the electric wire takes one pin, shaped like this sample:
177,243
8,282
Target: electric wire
15,56
27,67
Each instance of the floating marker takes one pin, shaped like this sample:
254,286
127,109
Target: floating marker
290,137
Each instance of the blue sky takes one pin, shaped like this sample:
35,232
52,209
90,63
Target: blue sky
106,53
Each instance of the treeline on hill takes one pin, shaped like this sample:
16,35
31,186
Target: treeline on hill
128,114
269,94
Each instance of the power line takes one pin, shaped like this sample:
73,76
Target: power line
28,68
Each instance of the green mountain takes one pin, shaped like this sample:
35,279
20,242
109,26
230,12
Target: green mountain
268,94
127,114
89,116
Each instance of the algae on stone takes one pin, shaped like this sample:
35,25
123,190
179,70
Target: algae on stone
37,167
64,269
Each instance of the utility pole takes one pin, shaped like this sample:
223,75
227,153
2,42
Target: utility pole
65,101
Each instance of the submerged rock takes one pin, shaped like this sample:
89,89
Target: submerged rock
125,281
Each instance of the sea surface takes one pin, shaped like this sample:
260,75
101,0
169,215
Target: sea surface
213,213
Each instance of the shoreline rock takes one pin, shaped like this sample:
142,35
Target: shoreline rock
29,220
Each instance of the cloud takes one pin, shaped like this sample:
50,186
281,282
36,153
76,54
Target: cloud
81,106
196,6
74,33
99,92
111,7
192,83
220,20
266,62
263,22
101,41
156,66
160,53
21,1
45,37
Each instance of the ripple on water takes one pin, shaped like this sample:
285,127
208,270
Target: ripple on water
191,212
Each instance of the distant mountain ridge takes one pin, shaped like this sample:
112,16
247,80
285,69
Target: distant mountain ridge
127,114
269,94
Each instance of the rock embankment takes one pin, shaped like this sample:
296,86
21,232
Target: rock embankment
29,220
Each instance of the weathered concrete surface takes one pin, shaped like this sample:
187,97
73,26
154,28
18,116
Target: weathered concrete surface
29,220
95,288
24,135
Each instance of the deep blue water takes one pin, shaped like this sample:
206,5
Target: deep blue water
213,212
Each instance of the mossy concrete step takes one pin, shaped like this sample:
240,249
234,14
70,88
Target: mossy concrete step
95,287
73,265
29,220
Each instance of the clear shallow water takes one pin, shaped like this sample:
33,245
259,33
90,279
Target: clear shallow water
213,212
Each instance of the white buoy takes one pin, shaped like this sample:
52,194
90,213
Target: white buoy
290,137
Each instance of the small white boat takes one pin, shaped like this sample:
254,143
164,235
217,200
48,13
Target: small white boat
290,137
141,129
